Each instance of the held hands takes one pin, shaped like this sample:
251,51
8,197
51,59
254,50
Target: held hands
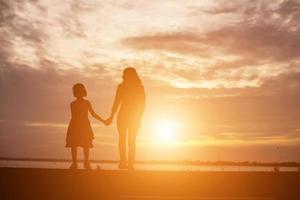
108,121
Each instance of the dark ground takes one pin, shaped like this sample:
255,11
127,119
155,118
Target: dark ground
20,183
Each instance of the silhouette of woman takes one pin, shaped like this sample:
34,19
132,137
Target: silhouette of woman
80,133
130,97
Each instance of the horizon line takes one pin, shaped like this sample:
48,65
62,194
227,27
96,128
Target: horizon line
170,162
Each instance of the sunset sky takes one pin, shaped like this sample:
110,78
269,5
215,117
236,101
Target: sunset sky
222,78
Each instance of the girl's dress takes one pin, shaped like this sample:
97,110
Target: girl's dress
80,132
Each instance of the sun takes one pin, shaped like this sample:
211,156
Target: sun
166,130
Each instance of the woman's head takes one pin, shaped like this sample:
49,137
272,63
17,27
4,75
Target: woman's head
79,90
130,76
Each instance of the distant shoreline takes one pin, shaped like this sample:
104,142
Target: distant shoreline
175,162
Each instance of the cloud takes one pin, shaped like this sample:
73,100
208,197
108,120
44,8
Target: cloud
22,34
176,42
262,43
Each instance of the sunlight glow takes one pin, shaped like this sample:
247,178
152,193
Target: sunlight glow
166,131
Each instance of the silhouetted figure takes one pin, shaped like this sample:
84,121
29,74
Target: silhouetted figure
80,133
130,97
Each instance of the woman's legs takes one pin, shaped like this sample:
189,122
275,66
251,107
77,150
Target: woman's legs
132,133
122,145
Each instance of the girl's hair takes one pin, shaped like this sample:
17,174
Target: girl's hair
79,90
131,77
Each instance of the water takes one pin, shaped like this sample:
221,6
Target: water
146,167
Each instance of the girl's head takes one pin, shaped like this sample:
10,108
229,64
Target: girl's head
79,90
131,77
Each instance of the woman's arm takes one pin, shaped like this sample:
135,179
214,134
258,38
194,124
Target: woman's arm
71,108
94,114
116,104
142,102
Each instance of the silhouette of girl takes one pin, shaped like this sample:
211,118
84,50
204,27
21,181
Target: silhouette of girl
130,97
80,133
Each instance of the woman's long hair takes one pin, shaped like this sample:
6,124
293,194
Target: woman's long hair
131,77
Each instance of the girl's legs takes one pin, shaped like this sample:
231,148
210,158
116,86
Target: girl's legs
122,145
74,158
86,152
74,154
